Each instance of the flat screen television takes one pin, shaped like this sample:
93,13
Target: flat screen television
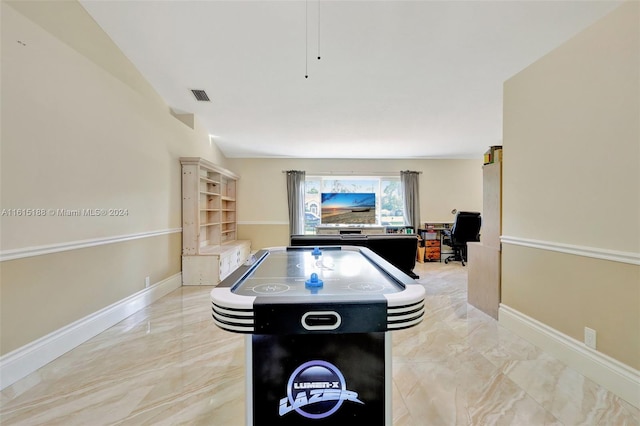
348,208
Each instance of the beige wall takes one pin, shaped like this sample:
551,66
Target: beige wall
572,177
264,235
570,292
41,294
81,129
262,194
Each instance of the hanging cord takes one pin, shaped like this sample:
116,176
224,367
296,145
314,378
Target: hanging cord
318,29
306,38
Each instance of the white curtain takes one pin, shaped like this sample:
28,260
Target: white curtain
295,198
411,195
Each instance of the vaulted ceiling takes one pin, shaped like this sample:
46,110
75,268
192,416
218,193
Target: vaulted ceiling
396,79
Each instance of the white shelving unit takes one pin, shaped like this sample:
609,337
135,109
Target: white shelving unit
210,248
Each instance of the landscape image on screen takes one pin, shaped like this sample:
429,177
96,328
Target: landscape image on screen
348,208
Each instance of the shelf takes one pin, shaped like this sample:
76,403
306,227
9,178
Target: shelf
210,250
215,182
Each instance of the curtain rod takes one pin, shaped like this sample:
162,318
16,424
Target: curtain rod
338,173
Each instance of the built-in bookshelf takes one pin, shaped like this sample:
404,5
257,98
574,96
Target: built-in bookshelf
210,248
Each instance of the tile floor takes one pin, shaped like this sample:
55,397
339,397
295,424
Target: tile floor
169,365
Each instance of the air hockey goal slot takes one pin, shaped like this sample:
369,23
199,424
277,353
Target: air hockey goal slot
321,320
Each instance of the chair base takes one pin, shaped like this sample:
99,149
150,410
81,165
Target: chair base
459,255
454,259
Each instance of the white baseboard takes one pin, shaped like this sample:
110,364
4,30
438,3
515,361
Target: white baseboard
611,374
25,360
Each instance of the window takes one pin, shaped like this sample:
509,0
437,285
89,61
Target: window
391,202
375,200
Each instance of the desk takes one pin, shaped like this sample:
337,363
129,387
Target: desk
435,250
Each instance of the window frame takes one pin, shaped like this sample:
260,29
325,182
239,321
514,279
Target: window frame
313,216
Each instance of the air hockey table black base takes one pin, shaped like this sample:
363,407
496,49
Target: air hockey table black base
322,358
330,379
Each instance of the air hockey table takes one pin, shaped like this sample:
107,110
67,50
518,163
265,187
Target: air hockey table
317,324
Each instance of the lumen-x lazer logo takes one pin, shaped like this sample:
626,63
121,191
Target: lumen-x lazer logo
316,390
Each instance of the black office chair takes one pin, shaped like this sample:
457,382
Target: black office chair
466,228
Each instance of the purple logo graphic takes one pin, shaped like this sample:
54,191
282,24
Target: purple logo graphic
316,390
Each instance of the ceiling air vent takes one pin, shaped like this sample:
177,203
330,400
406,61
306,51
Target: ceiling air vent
201,95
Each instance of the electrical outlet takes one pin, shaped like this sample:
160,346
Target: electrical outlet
146,282
590,337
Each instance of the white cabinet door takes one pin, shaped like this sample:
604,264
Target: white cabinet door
226,266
